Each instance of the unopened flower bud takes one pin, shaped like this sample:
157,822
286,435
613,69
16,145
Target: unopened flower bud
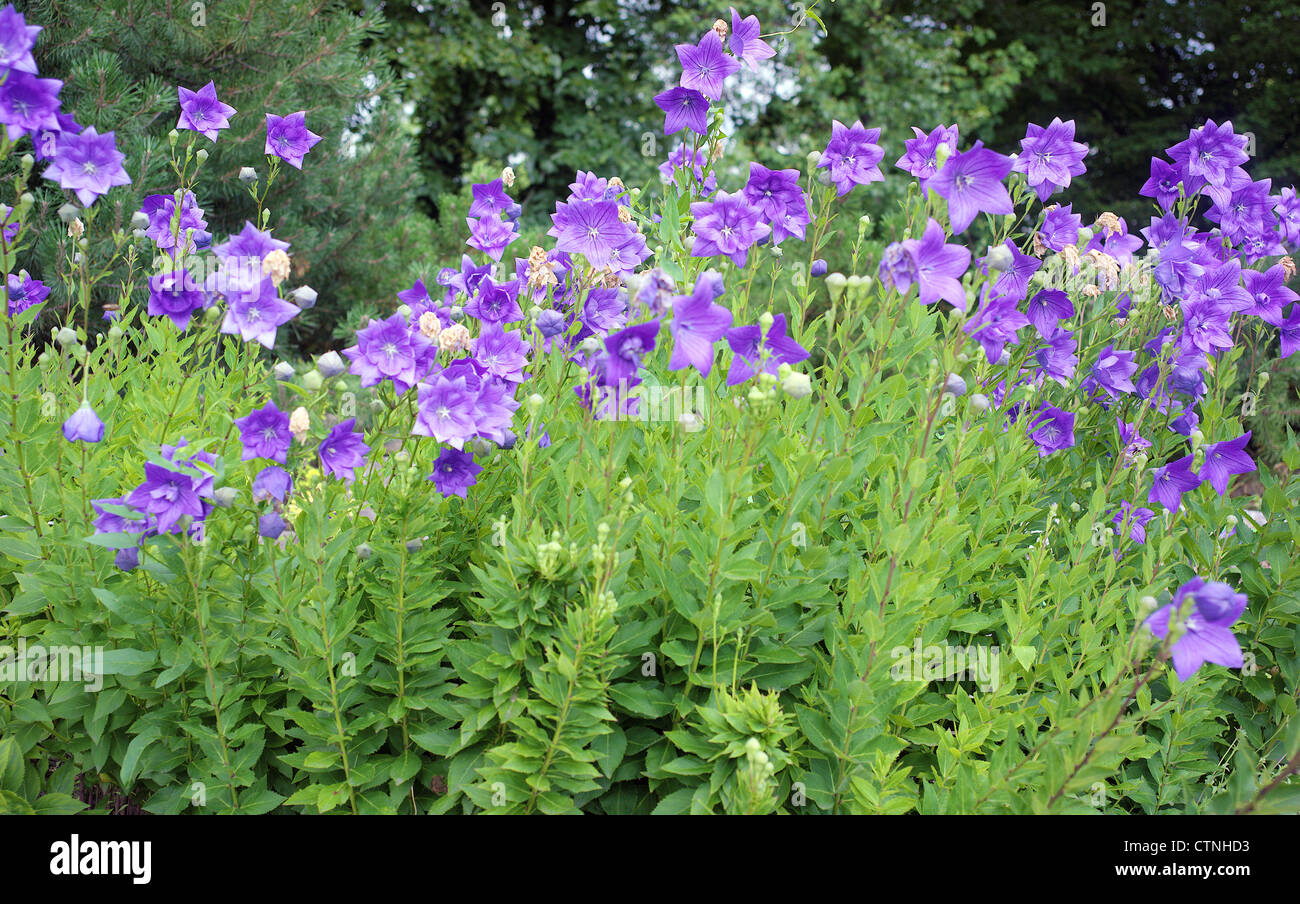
312,380
304,297
247,174
979,402
299,422
797,385
68,212
140,220
65,336
836,281
765,320
283,371
999,258
955,384
535,403
225,496
364,551
330,364
202,155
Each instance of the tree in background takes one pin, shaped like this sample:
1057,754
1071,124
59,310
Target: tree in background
349,214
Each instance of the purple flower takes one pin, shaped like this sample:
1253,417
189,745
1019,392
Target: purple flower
83,425
491,235
1060,227
684,108
745,43
500,353
697,324
678,160
922,153
490,200
1056,356
1207,636
446,409
201,112
1052,430
1116,242
727,225
1131,442
1137,519
705,66
17,39
1248,211
1013,281
288,137
777,196
972,183
254,314
1269,293
390,350
1163,184
272,482
29,104
1171,480
626,348
1290,333
1208,154
25,292
171,295
167,494
1047,309
88,164
127,559
589,228
604,311
1050,156
852,156
270,525
1287,208
995,324
936,267
751,350
1224,459
109,522
343,450
161,211
494,303
265,434
1112,373
454,472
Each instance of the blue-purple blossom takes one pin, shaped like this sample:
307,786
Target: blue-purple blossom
1163,184
25,292
590,228
1207,634
490,200
88,164
172,295
270,525
255,314
752,350
1224,459
705,66
161,211
272,482
1052,430
727,225
17,39
1050,156
684,108
343,450
446,409
745,43
390,350
697,324
921,158
626,348
852,156
83,425
777,196
265,434
454,472
201,111
1112,373
491,235
167,494
1060,227
935,267
288,137
501,353
1171,480
971,182
996,323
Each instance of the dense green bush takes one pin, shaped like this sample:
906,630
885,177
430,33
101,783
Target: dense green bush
874,586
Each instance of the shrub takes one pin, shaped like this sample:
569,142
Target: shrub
924,541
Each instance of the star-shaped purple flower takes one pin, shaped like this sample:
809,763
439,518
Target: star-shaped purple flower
684,108
697,324
88,164
745,43
705,66
752,351
1171,480
343,450
454,472
921,158
727,225
853,156
288,137
201,111
265,434
1222,460
255,314
1207,635
972,183
1050,156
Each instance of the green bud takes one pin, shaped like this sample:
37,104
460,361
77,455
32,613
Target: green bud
364,551
212,314
65,337
340,385
202,155
312,380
